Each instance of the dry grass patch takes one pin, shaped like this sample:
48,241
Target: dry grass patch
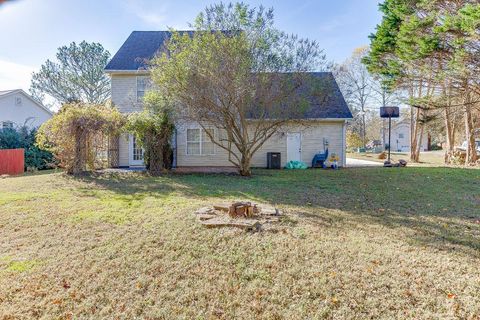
363,243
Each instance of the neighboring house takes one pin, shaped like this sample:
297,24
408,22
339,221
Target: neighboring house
400,136
17,108
129,80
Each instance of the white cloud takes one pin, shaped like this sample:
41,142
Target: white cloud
154,16
14,75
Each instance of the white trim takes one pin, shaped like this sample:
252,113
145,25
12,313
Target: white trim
145,72
192,127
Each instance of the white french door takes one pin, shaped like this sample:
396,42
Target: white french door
135,153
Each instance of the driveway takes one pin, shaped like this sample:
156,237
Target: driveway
357,163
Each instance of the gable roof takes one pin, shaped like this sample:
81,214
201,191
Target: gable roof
5,93
139,47
142,46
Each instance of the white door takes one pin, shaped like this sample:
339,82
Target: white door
294,146
135,153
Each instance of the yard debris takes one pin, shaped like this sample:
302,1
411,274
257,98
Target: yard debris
239,214
400,163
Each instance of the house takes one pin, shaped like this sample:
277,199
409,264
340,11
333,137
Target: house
400,136
192,147
17,109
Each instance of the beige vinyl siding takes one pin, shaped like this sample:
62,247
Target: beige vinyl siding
312,137
124,93
124,96
123,151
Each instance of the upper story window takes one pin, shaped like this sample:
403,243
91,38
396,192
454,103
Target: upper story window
143,84
199,142
7,125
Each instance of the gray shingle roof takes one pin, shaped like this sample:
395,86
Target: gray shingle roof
330,104
141,46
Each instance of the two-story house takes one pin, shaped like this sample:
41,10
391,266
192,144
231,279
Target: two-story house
192,147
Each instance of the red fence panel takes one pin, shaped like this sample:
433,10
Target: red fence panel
12,161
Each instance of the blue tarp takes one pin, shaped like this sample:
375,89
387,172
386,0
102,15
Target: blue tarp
296,165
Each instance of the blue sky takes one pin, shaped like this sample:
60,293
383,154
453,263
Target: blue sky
32,30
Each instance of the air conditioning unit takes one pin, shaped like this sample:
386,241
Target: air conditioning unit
273,160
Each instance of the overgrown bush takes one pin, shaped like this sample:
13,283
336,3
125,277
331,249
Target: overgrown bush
78,134
24,137
153,128
353,140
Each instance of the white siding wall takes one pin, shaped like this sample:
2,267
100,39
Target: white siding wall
28,112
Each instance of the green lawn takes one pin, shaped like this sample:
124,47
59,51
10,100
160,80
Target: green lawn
356,243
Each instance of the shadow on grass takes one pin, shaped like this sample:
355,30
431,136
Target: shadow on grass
435,203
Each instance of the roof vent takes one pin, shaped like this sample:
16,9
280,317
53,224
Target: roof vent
18,101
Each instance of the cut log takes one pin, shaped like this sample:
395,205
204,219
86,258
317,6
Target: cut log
237,223
269,211
249,213
221,207
204,217
205,210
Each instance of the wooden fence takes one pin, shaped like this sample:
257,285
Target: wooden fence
12,161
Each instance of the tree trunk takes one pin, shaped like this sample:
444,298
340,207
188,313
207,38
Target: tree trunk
244,167
450,136
471,156
364,129
155,157
419,141
414,122
79,161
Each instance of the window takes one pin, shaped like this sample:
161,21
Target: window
400,136
7,125
199,143
142,87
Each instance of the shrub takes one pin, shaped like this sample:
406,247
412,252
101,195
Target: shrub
24,137
153,128
353,140
78,134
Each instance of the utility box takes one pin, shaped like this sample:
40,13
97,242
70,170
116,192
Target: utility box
273,160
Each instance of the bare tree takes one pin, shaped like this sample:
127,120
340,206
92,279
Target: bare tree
248,81
356,85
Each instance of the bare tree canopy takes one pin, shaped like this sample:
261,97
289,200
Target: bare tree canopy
76,75
239,74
